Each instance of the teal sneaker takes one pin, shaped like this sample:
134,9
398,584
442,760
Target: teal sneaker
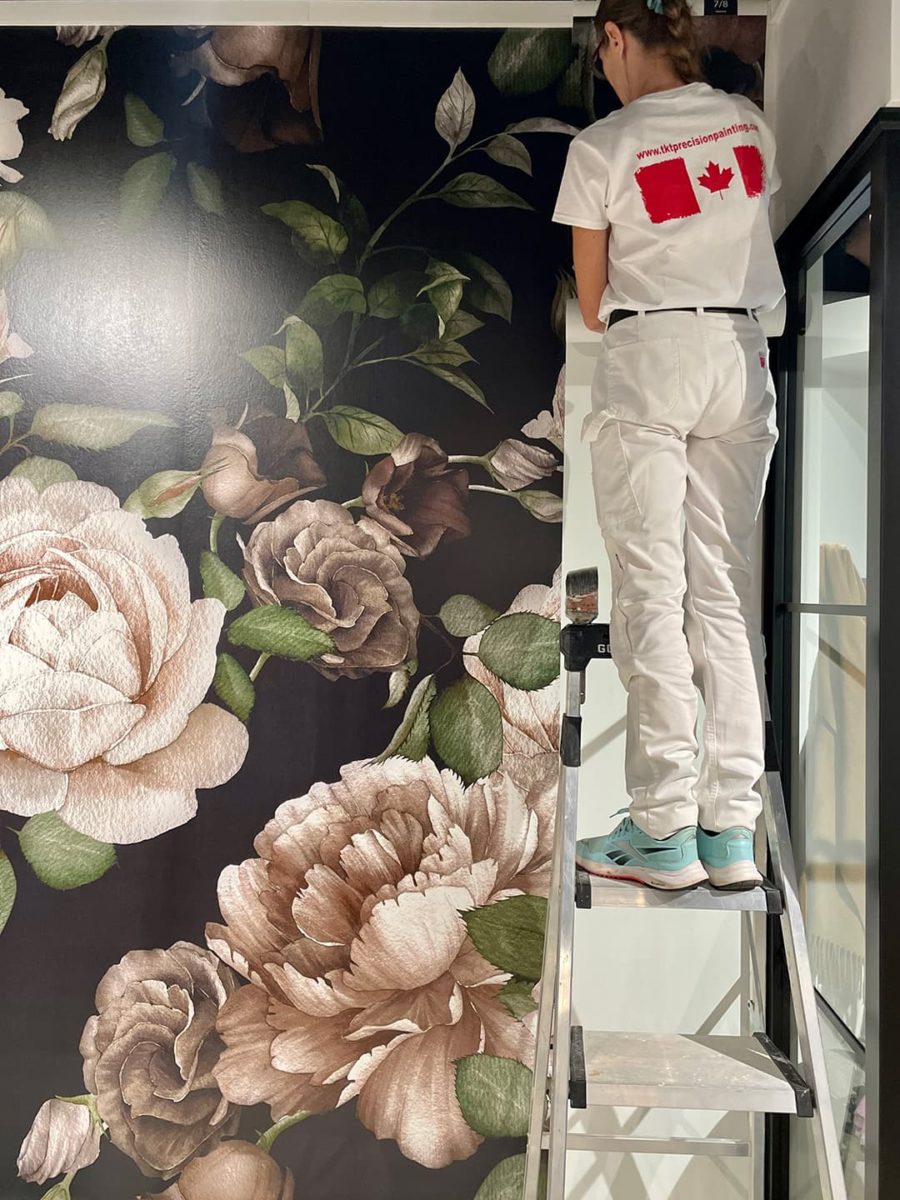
629,853
728,858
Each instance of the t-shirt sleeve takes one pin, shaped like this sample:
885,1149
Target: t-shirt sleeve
583,191
767,138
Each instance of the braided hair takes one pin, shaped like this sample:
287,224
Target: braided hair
666,25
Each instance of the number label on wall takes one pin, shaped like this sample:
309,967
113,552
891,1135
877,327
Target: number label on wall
721,8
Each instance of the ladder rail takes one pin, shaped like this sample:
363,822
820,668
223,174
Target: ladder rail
546,1010
803,995
559,1105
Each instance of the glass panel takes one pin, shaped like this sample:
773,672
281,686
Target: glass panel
834,358
846,1078
830,804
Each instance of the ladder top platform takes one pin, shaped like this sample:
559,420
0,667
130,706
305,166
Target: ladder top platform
596,891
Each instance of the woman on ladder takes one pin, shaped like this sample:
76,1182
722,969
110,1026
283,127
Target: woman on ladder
673,254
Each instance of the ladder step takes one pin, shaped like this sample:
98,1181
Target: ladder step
595,891
623,1143
690,1071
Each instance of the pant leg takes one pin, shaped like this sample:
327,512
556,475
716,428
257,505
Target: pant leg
729,452
639,465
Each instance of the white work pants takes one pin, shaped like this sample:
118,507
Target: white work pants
681,436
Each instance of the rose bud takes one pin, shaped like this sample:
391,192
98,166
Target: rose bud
515,464
249,472
81,92
63,1137
235,1170
546,506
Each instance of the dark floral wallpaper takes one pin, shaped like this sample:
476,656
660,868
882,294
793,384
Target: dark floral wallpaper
281,380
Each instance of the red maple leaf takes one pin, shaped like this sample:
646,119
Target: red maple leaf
715,179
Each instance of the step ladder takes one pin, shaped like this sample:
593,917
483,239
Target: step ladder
576,1069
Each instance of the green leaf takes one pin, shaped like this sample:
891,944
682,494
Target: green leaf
455,111
509,151
494,1095
570,89
42,472
10,404
60,856
522,649
329,176
447,354
331,297
458,379
489,292
526,61
467,730
398,682
94,426
352,216
142,125
269,361
445,291
507,1180
393,294
206,189
516,998
359,431
411,739
142,189
234,686
7,889
291,403
473,190
460,325
322,236
543,125
23,226
510,934
463,615
281,631
303,356
421,323
164,494
219,581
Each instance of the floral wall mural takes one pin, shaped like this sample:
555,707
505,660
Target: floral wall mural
281,382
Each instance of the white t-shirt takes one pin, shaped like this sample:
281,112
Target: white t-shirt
682,178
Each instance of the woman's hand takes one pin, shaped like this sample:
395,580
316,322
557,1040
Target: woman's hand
590,253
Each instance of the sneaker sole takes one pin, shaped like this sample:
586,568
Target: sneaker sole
690,876
736,877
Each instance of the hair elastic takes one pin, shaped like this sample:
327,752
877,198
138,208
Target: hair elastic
655,6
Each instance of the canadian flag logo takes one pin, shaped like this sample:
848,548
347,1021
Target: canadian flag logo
668,191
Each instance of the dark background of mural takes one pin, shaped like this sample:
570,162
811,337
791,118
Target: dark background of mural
158,321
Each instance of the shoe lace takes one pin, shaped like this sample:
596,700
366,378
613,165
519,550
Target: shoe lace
623,825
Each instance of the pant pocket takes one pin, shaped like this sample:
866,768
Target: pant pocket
614,496
643,378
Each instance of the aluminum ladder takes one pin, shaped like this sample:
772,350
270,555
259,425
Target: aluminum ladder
575,1069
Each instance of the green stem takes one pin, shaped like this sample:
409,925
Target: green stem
479,460
267,1140
480,487
214,526
357,503
347,366
258,666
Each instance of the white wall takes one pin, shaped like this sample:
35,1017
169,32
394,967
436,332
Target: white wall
830,65
636,970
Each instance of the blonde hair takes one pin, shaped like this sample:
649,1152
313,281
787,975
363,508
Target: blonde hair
672,31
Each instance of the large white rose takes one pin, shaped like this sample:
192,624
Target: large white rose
104,662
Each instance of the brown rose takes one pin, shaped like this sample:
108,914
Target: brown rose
251,471
346,578
150,1052
365,982
417,497
233,1171
250,112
